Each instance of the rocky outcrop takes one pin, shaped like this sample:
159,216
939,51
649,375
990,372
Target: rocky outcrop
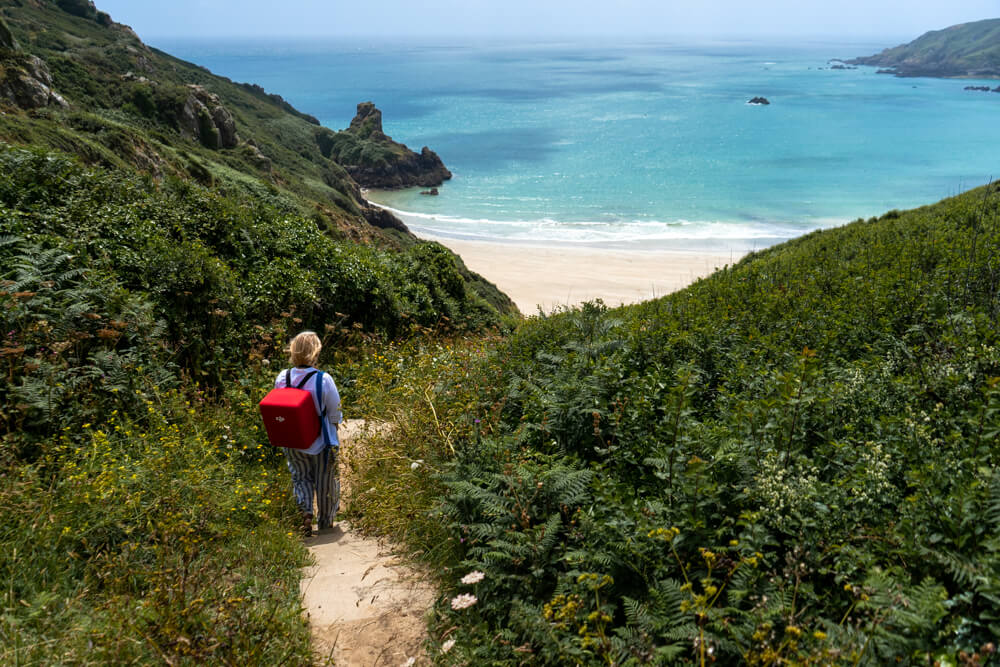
84,9
204,118
758,101
374,160
367,123
26,83
257,158
383,219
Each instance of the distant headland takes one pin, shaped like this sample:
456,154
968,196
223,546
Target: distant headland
967,50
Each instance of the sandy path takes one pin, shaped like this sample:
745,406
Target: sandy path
364,606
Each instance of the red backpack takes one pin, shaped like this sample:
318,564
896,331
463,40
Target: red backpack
290,415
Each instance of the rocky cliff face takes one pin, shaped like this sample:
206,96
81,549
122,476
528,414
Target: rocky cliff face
422,170
25,82
204,118
367,123
374,160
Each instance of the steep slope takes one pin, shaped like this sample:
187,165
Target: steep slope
964,50
72,79
130,106
792,461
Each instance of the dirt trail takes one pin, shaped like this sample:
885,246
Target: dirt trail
365,607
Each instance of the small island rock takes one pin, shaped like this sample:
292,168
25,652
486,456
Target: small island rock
759,101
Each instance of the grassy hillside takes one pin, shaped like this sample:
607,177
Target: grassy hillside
964,50
129,107
793,461
125,102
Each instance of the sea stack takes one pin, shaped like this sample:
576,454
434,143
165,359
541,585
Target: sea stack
374,160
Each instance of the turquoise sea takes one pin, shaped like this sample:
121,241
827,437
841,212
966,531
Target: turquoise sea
640,146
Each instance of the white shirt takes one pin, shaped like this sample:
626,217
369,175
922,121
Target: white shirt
331,400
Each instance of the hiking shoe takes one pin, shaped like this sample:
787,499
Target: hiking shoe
307,525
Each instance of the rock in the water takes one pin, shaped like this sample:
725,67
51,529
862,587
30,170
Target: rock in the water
203,117
433,192
760,101
983,88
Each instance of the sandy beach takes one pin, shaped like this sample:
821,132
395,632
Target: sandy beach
549,277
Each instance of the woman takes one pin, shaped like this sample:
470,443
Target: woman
314,470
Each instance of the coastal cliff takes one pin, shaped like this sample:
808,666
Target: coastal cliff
75,81
967,50
374,160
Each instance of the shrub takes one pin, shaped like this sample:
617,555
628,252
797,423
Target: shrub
792,460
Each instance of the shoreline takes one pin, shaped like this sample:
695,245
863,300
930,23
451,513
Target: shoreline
550,276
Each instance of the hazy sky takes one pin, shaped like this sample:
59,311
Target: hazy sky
902,19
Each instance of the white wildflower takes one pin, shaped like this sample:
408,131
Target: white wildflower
463,601
473,577
447,646
416,464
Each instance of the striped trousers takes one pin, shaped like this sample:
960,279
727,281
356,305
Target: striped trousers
315,474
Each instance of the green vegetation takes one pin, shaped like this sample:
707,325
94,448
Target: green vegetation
147,517
162,232
793,461
964,50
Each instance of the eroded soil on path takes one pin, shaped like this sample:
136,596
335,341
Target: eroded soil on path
365,607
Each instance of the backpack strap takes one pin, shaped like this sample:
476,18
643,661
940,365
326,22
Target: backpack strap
324,426
303,381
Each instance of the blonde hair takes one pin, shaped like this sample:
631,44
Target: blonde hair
304,349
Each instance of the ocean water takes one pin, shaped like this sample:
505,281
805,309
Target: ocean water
639,146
